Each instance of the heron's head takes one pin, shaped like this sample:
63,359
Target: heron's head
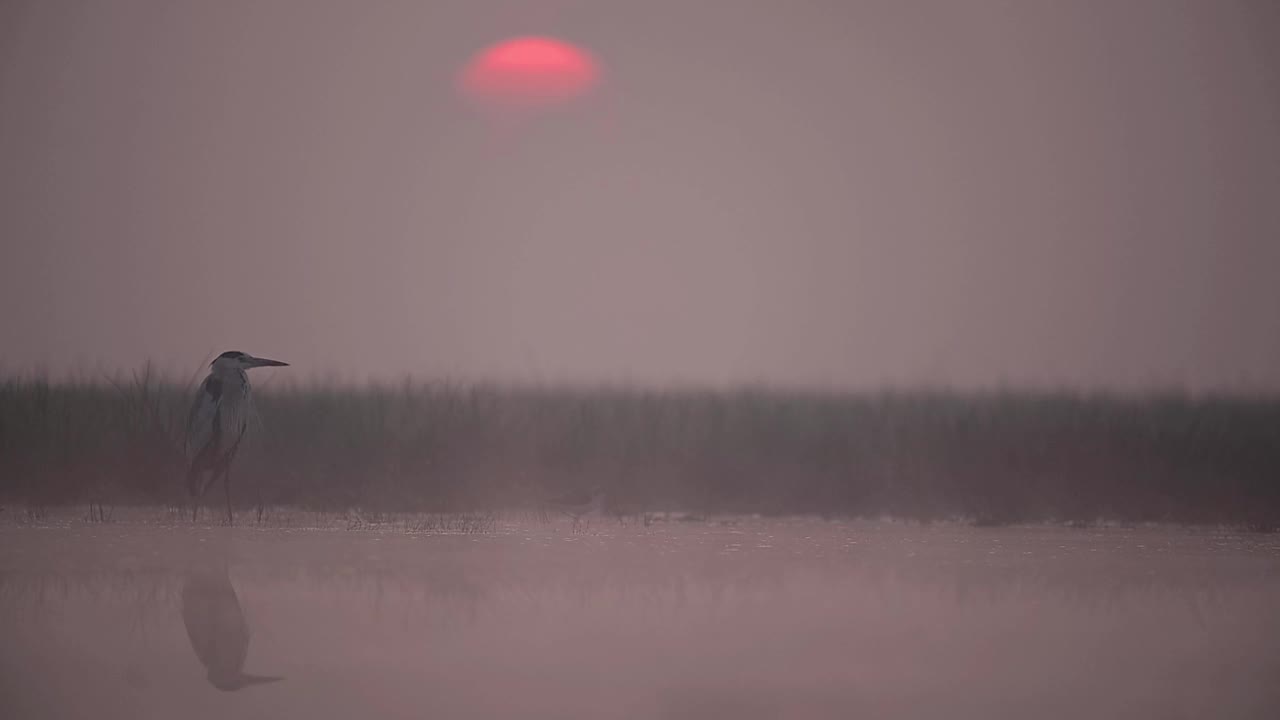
236,360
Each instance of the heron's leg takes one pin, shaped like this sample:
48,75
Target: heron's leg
213,475
226,484
193,491
198,491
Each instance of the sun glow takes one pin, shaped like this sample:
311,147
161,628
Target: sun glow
529,72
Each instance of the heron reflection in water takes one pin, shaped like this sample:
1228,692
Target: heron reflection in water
217,628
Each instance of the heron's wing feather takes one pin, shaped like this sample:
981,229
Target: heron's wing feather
234,413
202,424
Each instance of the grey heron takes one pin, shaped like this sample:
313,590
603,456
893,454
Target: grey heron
219,417
217,629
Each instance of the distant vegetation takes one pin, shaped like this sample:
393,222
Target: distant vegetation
990,458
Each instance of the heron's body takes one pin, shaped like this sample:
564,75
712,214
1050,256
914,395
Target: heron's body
219,418
217,423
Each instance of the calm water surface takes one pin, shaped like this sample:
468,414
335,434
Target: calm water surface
734,618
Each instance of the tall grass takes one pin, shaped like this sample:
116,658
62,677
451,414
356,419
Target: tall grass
993,457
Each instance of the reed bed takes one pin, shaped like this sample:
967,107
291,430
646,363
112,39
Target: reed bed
995,457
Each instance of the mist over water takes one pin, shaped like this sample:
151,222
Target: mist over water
740,618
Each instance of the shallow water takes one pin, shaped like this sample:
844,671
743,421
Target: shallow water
734,618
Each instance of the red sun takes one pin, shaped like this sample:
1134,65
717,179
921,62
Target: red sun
529,72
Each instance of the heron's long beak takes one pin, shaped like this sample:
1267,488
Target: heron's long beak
263,362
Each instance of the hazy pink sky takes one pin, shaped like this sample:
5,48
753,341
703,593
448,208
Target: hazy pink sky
1081,192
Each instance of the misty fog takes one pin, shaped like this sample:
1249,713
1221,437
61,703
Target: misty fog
852,194
640,359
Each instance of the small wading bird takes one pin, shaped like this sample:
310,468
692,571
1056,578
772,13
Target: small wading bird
217,629
219,417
